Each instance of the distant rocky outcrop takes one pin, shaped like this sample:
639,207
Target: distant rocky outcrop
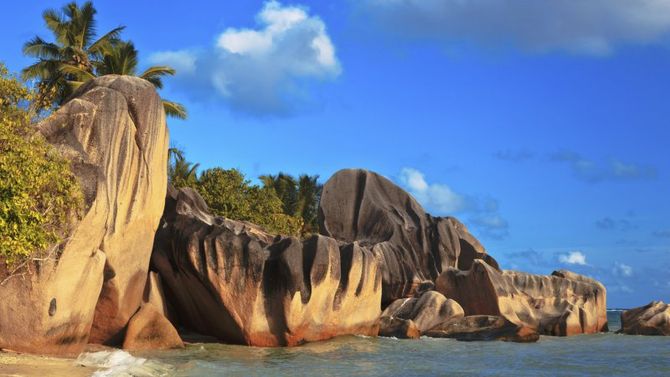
563,304
415,248
113,131
232,280
651,319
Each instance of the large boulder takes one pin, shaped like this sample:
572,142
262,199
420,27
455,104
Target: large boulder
148,329
113,131
651,319
394,327
563,304
415,248
426,311
483,327
232,280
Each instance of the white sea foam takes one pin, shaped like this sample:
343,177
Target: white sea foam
120,363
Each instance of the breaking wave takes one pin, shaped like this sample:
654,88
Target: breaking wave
121,363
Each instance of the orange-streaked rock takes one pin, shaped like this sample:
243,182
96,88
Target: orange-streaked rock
233,281
394,327
148,329
427,311
114,133
651,319
563,303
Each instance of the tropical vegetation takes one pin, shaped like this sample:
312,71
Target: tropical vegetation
39,195
283,204
76,56
300,197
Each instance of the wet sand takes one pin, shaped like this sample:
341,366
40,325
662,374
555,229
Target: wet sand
18,364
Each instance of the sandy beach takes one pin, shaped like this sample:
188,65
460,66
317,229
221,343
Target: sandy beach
17,364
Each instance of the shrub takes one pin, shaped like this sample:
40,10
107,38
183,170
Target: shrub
38,192
229,194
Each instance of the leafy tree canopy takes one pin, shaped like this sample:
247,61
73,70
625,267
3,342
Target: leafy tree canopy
39,195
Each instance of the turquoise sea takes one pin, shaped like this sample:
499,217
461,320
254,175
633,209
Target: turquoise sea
607,354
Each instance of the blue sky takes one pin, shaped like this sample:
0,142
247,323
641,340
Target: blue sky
543,126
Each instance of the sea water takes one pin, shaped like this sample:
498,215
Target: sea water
606,354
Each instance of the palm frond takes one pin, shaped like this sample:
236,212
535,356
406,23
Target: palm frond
41,49
79,73
175,153
74,85
86,24
56,24
174,109
106,42
154,75
157,70
43,69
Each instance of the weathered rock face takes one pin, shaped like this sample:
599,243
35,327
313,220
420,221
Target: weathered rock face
232,280
651,319
148,329
394,327
483,327
427,311
362,206
114,133
562,304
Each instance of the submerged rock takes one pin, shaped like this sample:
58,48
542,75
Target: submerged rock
414,247
483,327
651,319
427,311
563,304
113,131
232,280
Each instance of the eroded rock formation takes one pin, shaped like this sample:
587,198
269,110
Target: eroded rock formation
483,327
426,311
232,280
358,205
651,319
114,133
148,329
563,303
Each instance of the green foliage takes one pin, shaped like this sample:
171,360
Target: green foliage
229,194
74,31
283,205
300,197
75,57
38,192
181,173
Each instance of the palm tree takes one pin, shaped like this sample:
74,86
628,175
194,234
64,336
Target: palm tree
309,194
121,59
181,173
286,188
75,44
300,197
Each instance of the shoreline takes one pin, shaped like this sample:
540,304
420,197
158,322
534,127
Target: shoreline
23,364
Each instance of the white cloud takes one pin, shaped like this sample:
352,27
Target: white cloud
435,196
621,269
267,70
182,61
439,198
591,27
573,257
